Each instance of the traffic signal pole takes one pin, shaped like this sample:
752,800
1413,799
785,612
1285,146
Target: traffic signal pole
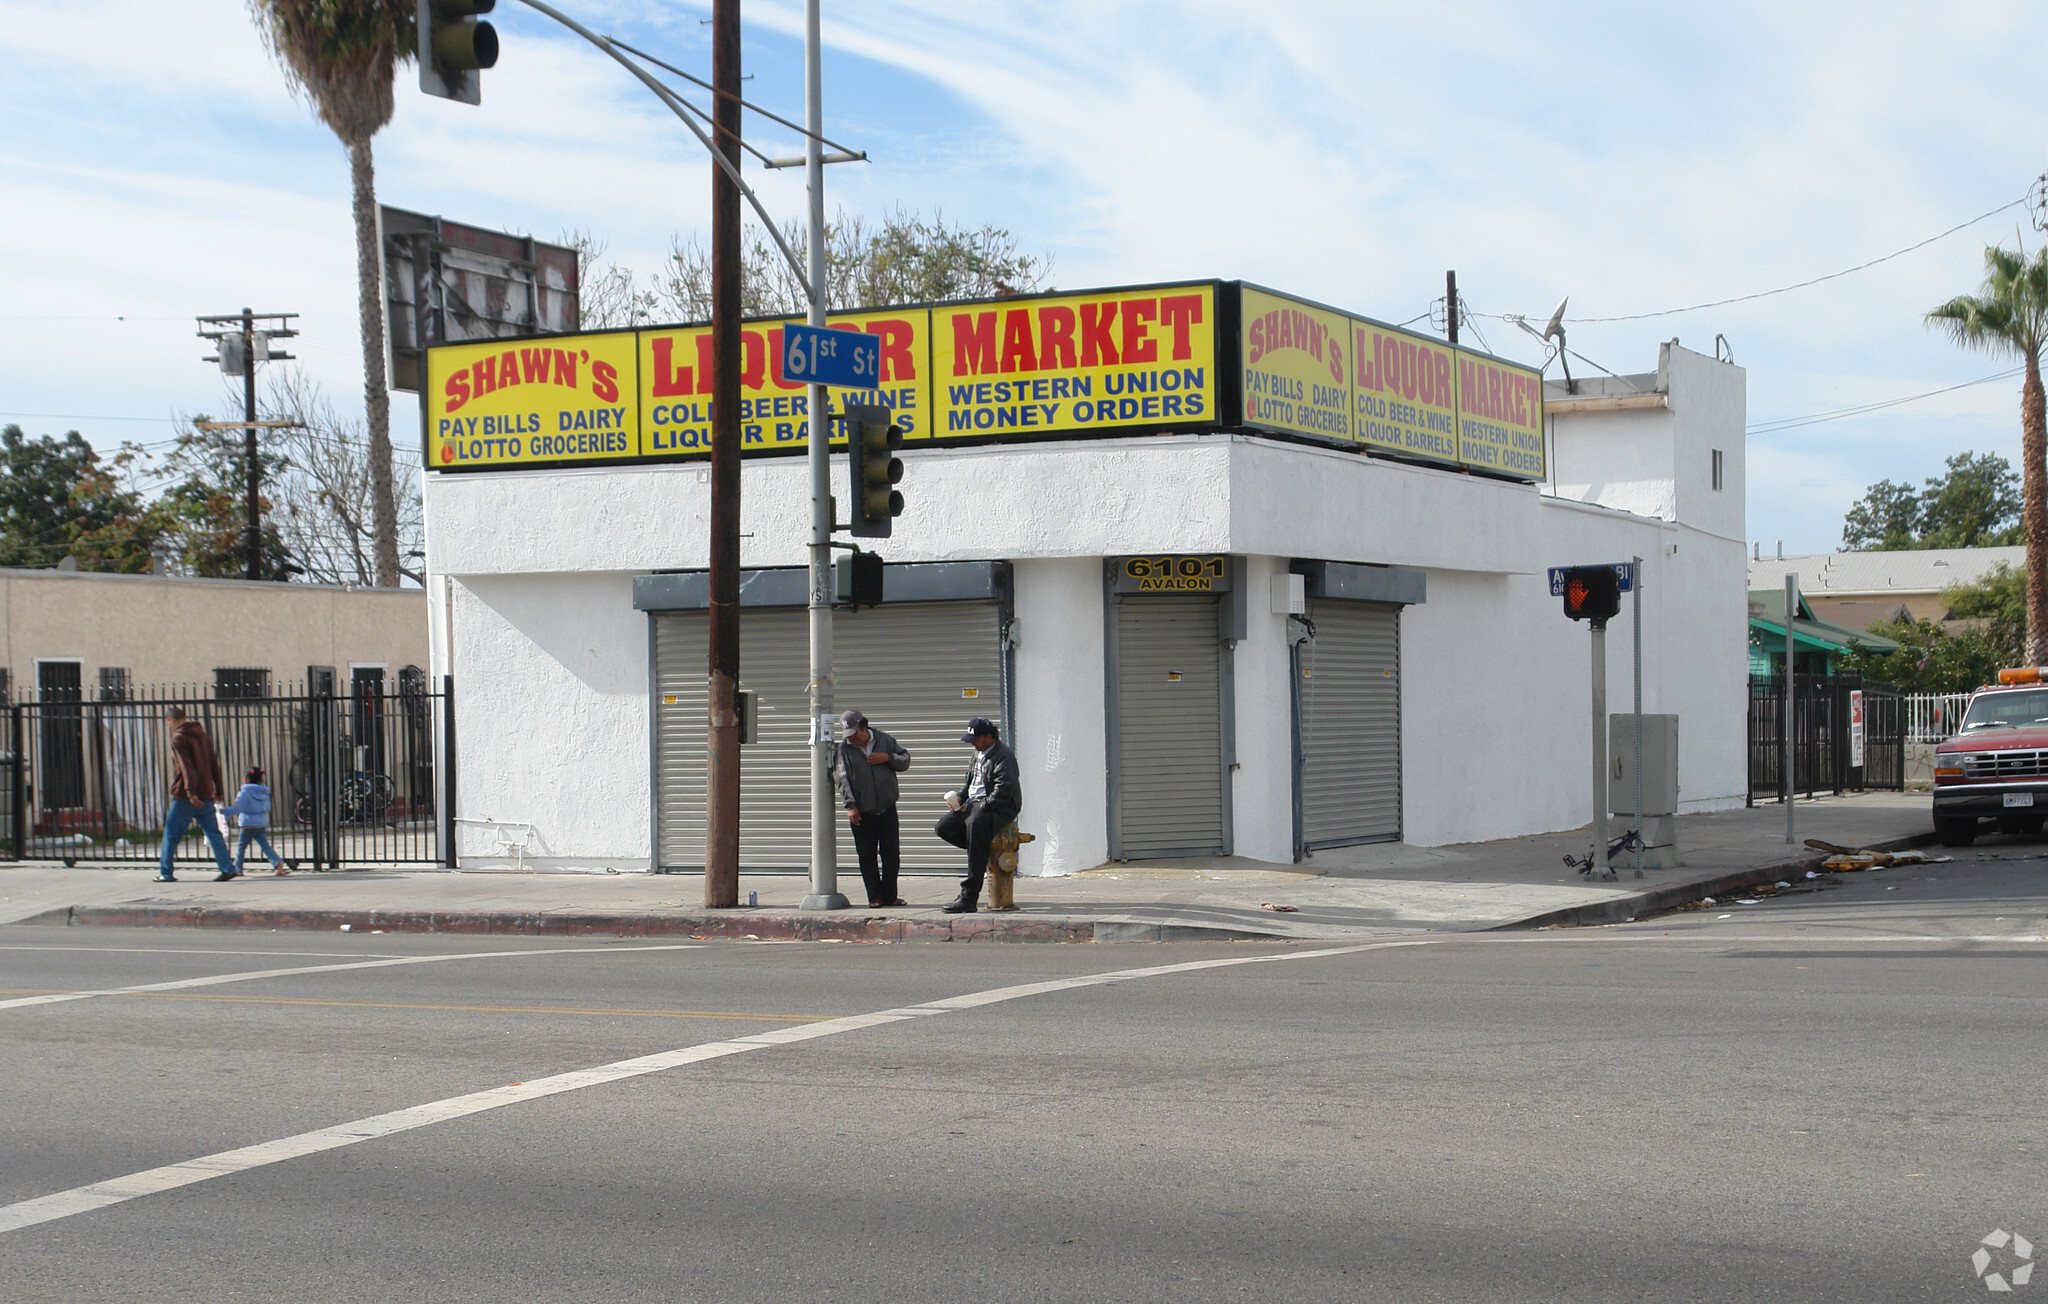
824,894
1598,864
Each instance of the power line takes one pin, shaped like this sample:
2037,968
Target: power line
1837,414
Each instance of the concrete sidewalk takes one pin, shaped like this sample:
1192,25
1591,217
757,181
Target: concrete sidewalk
1354,892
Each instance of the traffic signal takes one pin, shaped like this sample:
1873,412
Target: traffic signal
1592,593
872,438
455,45
859,580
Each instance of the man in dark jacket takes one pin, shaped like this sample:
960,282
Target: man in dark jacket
196,785
865,767
989,799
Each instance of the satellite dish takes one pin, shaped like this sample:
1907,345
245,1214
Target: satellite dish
1556,326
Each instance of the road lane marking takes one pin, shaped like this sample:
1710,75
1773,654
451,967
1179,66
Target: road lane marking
99,1195
254,975
477,1009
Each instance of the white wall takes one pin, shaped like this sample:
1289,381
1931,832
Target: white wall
1060,693
1262,809
552,719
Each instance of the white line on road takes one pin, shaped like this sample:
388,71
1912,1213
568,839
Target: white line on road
84,1199
253,975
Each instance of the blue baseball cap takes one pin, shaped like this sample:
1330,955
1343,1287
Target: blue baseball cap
976,728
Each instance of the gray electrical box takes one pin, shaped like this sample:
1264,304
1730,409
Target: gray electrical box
1660,784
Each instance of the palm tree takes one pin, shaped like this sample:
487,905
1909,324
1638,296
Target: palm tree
2011,317
341,55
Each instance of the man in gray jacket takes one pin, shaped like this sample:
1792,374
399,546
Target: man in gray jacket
865,768
990,797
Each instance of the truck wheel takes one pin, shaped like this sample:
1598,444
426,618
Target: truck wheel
1955,831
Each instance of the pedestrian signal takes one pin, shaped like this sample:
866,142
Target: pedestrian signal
1592,593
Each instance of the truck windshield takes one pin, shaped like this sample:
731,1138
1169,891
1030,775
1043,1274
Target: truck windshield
2006,711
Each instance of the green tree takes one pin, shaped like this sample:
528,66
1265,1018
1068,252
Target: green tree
2011,317
341,56
205,508
1934,658
1976,504
59,498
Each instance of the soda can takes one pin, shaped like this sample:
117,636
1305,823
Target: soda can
753,898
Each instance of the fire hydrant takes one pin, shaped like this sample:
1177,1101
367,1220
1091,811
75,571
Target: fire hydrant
1002,867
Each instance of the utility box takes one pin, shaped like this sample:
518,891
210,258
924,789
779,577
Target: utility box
1660,784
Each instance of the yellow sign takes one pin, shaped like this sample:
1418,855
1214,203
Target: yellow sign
675,379
572,398
1070,363
1406,400
1295,377
1500,416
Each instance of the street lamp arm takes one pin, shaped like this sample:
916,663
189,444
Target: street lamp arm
677,107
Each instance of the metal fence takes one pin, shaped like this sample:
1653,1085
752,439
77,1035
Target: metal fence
1821,750
1934,717
352,777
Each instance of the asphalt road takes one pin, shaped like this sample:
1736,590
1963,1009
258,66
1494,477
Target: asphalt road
1830,1096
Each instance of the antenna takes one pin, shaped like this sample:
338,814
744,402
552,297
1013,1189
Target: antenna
1555,330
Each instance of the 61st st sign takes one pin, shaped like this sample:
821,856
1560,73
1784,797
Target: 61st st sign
819,355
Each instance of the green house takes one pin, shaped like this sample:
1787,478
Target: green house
1818,645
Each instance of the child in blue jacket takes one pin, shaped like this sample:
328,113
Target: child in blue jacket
252,804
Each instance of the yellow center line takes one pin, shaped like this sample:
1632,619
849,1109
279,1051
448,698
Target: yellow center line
472,1009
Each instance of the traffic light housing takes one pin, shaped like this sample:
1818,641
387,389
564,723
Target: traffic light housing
858,580
455,46
1592,593
872,438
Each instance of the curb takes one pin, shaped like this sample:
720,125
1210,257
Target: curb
1621,909
755,927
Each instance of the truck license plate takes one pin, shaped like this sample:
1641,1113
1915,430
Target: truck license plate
2019,799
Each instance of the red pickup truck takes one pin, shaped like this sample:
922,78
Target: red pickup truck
1996,767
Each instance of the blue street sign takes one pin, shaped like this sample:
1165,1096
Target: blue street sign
819,355
1626,570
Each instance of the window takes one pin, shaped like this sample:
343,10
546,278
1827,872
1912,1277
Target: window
233,683
1717,471
113,683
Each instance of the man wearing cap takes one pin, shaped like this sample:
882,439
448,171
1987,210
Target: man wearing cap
865,767
989,799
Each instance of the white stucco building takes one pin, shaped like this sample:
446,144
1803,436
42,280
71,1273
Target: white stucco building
1443,698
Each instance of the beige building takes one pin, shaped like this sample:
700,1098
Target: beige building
102,635
1861,589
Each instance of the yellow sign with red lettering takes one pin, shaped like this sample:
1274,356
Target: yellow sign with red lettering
1407,401
675,383
1116,359
1500,416
571,398
1295,377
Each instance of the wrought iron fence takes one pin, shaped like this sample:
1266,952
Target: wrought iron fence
352,777
1822,754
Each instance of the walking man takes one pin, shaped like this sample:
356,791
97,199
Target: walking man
196,785
865,768
990,799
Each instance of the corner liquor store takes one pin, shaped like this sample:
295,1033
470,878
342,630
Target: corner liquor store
1139,536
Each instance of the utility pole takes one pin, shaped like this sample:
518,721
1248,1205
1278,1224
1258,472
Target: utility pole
1787,780
824,893
1451,306
241,346
722,744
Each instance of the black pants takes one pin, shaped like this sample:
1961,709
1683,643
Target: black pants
973,828
878,839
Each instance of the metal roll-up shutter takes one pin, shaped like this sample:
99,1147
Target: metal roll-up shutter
1169,727
910,668
1350,702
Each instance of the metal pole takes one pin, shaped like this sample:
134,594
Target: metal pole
1598,864
722,743
1451,306
1788,782
824,894
254,474
1635,570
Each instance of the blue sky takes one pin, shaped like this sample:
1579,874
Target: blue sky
1636,158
